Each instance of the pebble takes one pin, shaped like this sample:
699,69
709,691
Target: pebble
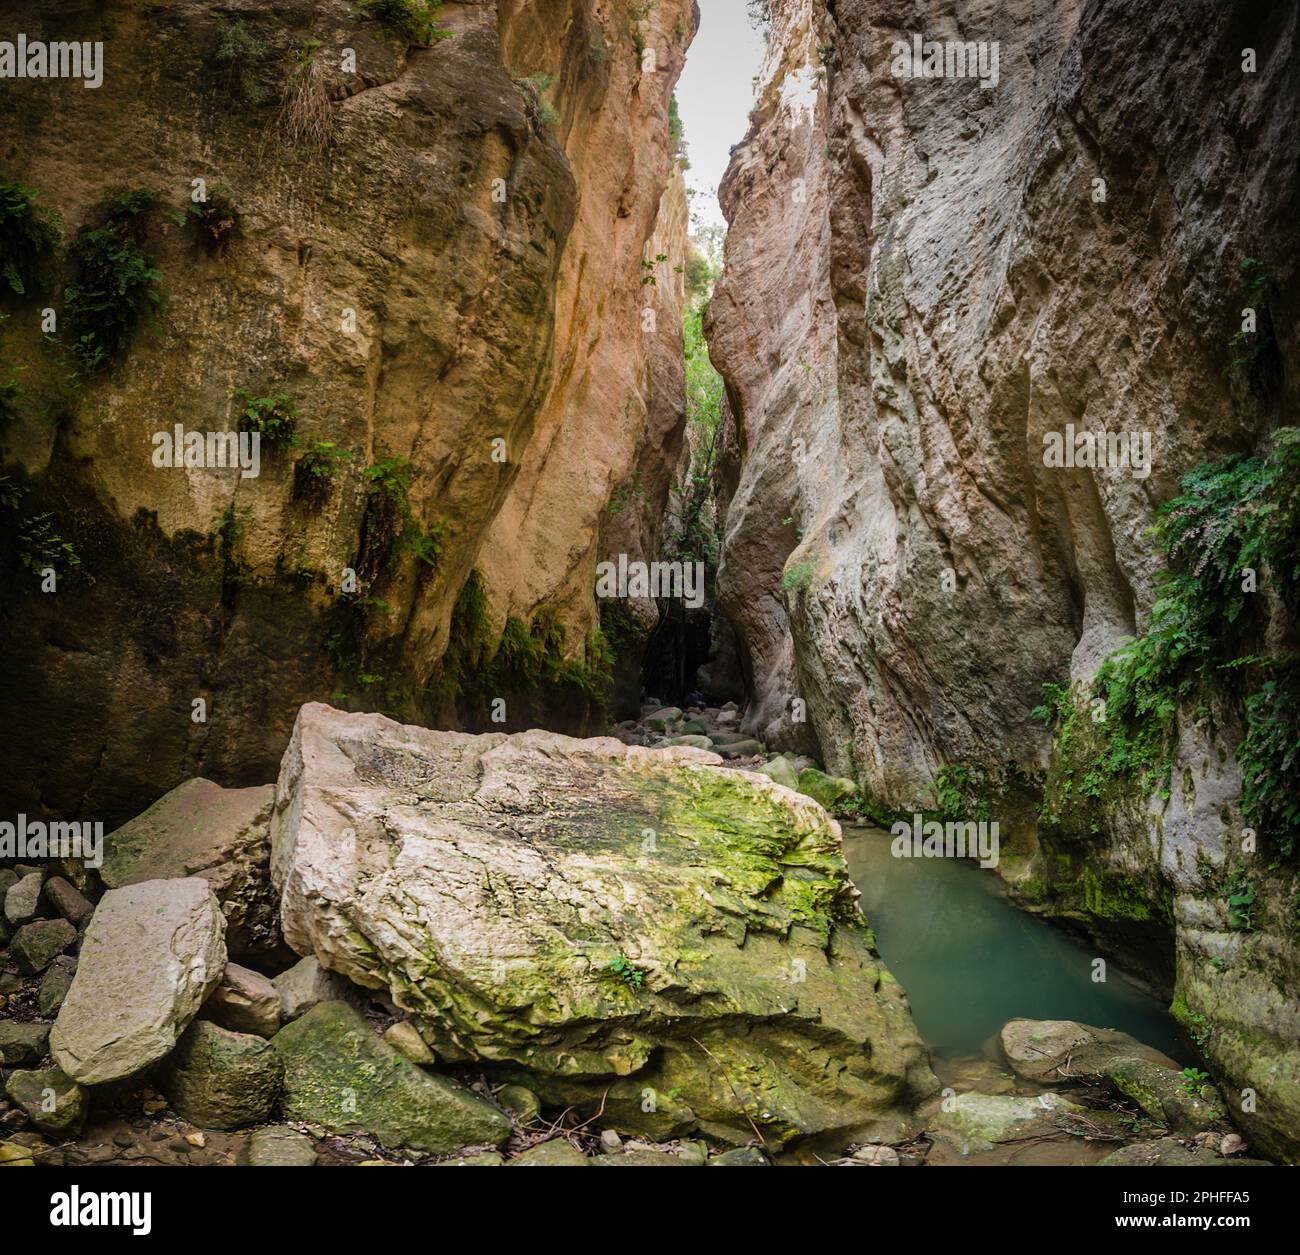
610,1142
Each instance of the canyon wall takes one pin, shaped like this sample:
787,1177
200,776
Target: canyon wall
437,256
924,276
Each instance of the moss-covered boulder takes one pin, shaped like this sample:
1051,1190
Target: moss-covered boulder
602,923
51,1100
1186,1103
339,1073
219,1079
829,791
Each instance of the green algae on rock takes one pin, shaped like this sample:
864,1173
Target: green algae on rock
339,1073
501,888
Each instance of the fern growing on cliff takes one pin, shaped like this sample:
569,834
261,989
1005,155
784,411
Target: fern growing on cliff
415,20
29,235
116,283
1232,531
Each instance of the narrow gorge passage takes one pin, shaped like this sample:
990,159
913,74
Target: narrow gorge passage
649,583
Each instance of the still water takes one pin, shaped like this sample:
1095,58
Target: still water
970,961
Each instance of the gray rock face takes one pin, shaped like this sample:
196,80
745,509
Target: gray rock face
964,273
503,892
151,956
220,835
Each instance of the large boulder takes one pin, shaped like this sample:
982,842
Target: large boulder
603,923
217,1079
151,955
340,1074
221,835
1062,1052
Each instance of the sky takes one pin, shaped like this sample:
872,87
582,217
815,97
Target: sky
714,96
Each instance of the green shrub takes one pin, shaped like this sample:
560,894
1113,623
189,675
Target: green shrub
415,20
39,544
214,221
316,469
1237,519
115,284
534,88
274,417
390,520
797,577
239,55
29,236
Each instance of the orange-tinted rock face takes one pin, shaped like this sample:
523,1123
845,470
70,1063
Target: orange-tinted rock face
449,288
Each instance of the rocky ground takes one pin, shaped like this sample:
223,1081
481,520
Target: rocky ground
129,1033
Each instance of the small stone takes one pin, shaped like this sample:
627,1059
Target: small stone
22,898
405,1038
740,749
277,1147
68,902
123,1140
523,1102
1232,1144
306,985
744,1157
245,1002
22,1042
488,1159
55,984
556,1153
196,1139
643,1159
53,1102
610,1142
15,1155
782,771
37,944
876,1156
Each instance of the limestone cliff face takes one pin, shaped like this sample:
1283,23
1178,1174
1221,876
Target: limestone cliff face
923,277
445,279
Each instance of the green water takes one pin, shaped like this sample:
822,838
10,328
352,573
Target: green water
970,961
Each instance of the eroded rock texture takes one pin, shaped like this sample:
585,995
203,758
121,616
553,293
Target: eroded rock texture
641,931
453,273
922,279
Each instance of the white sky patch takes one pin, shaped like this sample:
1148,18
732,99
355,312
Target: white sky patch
714,95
